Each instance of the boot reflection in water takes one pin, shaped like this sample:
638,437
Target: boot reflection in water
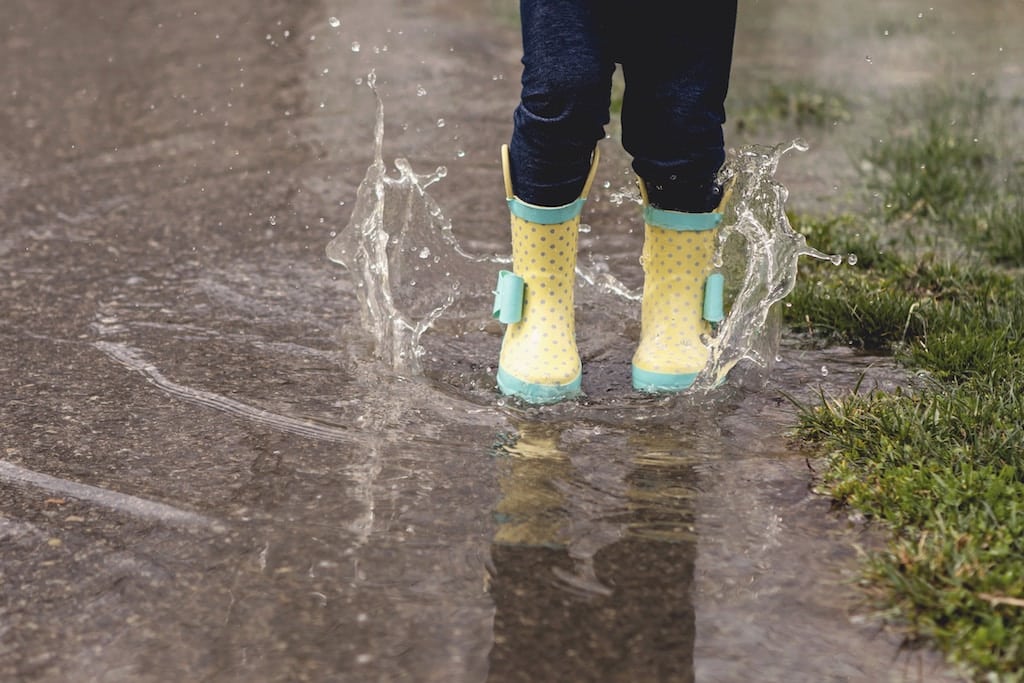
677,76
591,582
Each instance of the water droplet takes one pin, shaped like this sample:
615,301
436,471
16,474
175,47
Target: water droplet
852,259
460,154
867,58
272,220
420,91
425,252
334,22
824,371
355,46
836,259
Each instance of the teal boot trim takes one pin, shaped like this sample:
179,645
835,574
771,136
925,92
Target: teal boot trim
657,382
538,393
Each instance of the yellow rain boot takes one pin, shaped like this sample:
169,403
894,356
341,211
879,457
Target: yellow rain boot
681,297
539,361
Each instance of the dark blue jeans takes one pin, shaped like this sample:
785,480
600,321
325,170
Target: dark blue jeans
676,73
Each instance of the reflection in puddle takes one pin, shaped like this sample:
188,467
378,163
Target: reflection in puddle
593,559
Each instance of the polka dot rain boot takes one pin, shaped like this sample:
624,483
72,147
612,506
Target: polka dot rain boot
539,362
681,298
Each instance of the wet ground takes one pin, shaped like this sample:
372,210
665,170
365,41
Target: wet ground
206,473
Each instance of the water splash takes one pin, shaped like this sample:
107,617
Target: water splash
399,247
758,250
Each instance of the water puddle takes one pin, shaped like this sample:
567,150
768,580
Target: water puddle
660,537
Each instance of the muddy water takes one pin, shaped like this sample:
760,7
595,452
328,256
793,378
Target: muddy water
209,474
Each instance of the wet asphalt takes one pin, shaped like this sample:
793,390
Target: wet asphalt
200,479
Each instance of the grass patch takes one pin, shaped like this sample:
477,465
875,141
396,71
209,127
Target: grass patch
798,104
936,161
1001,227
941,465
943,468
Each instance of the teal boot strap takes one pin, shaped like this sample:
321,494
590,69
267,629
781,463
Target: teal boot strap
714,294
508,298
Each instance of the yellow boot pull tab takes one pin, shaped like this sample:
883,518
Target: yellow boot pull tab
506,169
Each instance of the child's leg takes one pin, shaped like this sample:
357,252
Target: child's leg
548,168
567,71
677,76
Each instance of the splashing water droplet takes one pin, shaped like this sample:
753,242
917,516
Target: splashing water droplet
851,259
836,259
420,91
356,47
272,220
440,123
334,22
395,234
824,371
